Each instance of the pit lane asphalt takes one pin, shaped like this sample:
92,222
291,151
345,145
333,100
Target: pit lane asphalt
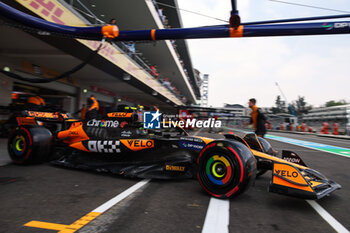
58,195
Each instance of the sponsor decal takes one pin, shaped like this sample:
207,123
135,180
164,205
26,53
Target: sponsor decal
174,168
151,120
73,133
103,123
126,134
137,144
285,173
120,114
292,160
104,146
192,139
335,25
327,26
191,145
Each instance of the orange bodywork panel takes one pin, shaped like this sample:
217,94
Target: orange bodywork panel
287,175
26,120
74,134
205,140
79,146
275,159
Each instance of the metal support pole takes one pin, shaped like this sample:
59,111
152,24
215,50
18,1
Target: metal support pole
235,20
234,7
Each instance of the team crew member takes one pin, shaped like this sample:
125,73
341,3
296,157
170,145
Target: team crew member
257,118
93,107
35,103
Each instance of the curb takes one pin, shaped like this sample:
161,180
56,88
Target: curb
315,134
333,136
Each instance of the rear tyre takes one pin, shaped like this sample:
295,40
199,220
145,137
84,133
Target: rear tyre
30,144
226,168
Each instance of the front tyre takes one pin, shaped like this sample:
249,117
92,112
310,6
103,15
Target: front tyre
226,168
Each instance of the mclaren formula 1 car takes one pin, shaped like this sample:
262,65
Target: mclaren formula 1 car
224,168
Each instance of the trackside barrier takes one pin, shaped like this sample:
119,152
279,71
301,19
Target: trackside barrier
310,129
325,127
303,127
335,128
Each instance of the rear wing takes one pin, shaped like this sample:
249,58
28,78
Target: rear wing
32,117
46,115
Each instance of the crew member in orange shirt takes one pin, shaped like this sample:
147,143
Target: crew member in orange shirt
93,107
258,119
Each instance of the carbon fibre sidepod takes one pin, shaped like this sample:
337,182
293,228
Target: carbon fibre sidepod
160,163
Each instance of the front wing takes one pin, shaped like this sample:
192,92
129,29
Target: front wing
292,181
296,180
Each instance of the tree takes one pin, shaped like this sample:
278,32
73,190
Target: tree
300,106
280,105
332,103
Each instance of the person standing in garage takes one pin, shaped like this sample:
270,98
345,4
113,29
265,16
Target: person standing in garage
35,103
93,107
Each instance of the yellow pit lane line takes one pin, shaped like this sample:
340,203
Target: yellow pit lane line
61,228
65,228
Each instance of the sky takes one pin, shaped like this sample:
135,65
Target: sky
315,67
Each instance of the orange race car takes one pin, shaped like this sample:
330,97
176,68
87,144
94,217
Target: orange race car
118,144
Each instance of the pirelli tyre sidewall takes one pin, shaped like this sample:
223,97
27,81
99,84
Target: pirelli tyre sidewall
226,168
30,144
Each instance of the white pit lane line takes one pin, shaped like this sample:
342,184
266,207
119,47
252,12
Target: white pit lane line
104,207
218,216
337,226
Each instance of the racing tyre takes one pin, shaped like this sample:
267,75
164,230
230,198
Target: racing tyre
226,168
31,144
